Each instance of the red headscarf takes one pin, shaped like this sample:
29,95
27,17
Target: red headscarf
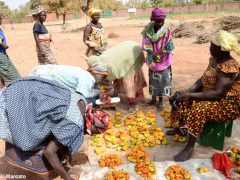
96,117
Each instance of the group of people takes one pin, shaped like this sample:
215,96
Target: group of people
45,115
126,71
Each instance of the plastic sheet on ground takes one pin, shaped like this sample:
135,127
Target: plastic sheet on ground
94,172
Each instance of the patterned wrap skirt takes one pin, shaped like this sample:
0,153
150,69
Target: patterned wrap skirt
131,86
192,116
45,54
160,82
8,72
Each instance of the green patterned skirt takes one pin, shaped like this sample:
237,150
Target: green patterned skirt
8,72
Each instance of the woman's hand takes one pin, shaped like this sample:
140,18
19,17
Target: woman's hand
5,46
184,96
105,98
154,55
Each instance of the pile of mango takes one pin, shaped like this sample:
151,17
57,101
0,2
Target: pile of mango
143,166
99,150
110,160
110,138
177,172
117,175
234,155
167,119
97,141
134,130
202,169
111,121
146,169
118,120
129,121
178,138
130,132
137,155
123,142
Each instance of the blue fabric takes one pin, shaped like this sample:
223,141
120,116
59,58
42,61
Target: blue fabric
4,41
36,108
39,28
72,77
5,133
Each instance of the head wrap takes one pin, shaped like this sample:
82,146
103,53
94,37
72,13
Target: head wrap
93,10
97,118
98,69
227,41
158,14
39,9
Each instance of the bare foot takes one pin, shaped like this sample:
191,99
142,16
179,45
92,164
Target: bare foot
175,131
184,155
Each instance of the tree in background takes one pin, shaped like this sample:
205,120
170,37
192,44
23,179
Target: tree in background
168,3
5,11
144,4
107,4
156,3
22,11
134,3
34,3
198,1
61,7
183,2
117,5
162,3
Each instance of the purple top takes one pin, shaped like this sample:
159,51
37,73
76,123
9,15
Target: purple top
161,44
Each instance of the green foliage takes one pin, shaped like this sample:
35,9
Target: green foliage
61,7
34,3
5,11
156,3
108,4
134,3
144,4
162,3
21,12
198,1
168,3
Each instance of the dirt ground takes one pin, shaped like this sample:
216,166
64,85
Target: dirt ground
189,61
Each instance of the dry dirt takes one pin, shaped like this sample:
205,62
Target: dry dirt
189,61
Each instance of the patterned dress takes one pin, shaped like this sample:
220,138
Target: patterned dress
44,53
97,38
160,72
193,115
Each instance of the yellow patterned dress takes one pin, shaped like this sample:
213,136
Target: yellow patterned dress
193,115
97,41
